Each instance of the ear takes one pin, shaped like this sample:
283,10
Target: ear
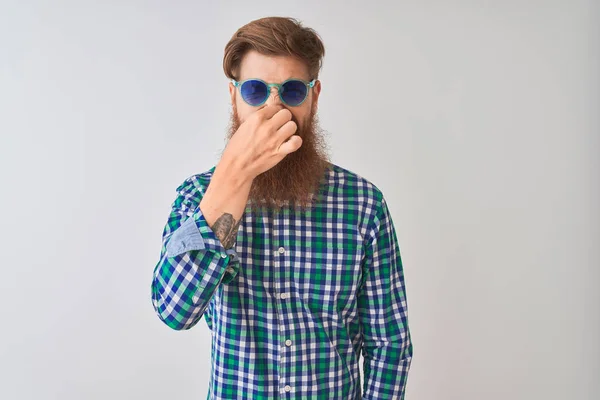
232,92
316,91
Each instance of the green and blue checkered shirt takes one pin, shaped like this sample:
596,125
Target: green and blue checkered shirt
297,299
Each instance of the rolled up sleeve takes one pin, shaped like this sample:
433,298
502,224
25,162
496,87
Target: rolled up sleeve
192,264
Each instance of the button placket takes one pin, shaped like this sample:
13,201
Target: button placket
278,285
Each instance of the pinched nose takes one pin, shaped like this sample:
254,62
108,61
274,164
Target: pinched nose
274,96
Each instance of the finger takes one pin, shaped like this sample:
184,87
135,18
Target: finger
287,130
290,145
280,118
267,111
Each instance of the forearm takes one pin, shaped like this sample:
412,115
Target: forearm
225,200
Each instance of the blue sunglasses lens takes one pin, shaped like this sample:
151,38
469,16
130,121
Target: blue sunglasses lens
293,92
254,92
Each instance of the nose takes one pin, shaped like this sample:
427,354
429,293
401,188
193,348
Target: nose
274,96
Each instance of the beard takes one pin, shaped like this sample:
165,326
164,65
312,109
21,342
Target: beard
296,180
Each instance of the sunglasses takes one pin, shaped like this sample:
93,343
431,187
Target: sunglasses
292,92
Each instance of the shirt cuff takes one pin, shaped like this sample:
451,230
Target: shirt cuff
195,234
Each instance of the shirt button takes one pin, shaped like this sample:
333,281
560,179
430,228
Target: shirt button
223,255
287,388
283,295
281,250
288,342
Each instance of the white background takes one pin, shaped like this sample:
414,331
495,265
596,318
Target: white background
477,119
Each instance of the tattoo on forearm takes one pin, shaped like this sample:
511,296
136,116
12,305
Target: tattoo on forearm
226,228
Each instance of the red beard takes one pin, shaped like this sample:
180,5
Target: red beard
297,178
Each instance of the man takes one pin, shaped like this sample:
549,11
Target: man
292,260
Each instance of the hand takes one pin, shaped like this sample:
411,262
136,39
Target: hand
262,141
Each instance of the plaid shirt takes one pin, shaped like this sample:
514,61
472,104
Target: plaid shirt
295,301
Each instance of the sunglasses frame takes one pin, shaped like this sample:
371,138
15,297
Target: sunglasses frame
270,85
